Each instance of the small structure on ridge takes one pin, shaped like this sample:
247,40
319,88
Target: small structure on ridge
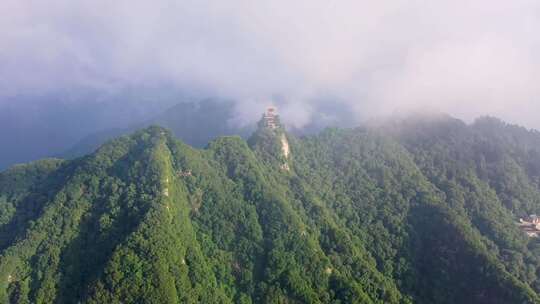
273,134
270,118
530,225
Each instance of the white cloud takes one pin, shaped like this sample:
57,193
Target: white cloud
467,58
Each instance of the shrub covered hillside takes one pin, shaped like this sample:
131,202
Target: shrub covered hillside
414,212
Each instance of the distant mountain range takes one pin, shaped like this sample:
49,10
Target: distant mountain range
45,128
195,123
198,122
42,126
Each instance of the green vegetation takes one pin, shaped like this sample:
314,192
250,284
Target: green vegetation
420,211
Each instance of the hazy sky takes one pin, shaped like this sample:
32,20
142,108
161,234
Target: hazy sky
464,57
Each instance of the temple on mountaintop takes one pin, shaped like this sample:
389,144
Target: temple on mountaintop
270,118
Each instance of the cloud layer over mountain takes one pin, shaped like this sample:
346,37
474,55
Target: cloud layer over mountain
467,58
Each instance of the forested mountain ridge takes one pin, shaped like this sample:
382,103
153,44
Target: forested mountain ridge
420,211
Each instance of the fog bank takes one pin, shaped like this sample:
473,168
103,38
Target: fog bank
466,58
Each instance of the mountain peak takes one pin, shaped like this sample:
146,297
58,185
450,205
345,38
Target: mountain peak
270,139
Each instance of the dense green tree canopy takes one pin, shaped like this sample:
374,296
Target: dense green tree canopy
415,211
